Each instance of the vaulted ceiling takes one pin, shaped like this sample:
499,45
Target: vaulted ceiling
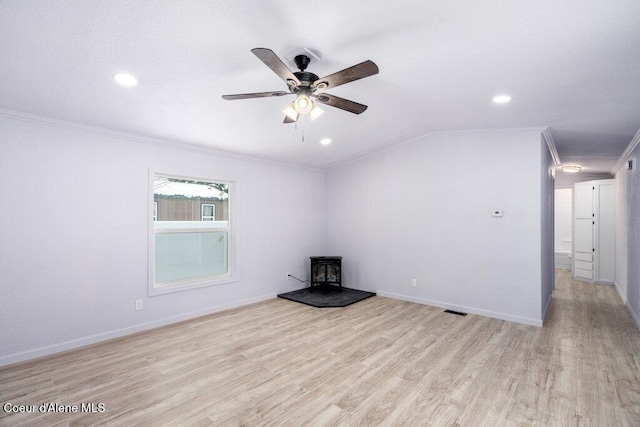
572,66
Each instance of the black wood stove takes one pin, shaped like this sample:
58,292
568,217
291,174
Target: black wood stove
326,270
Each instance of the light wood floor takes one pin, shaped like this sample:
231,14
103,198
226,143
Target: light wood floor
380,361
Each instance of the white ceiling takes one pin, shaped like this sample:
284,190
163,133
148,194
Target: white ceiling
571,65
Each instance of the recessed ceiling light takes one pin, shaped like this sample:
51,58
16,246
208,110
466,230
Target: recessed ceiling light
325,141
571,168
125,79
501,99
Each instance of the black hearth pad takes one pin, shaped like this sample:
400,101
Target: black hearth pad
327,296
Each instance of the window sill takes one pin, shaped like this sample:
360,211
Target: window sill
189,285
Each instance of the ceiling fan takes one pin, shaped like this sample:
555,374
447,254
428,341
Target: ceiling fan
306,85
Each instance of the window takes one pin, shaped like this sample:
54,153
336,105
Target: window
191,237
208,212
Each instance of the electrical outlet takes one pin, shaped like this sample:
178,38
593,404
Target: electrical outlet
413,282
138,304
288,275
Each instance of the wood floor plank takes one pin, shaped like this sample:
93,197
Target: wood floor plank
378,362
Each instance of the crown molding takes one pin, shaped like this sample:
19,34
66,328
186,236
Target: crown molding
110,133
548,138
625,155
95,130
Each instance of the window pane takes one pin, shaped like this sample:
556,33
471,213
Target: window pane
191,233
180,256
188,200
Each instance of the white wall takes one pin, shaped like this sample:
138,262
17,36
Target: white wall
73,234
633,258
73,228
622,229
547,267
563,219
627,211
423,211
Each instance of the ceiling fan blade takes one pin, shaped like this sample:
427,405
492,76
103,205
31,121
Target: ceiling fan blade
357,72
341,103
255,95
272,61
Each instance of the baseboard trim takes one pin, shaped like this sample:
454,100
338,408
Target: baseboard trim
636,318
623,297
546,307
462,308
109,335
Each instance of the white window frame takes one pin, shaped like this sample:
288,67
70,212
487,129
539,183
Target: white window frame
209,217
155,211
232,274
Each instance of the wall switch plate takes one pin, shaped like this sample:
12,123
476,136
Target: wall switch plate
413,282
496,213
138,304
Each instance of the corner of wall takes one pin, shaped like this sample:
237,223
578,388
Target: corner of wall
627,228
548,160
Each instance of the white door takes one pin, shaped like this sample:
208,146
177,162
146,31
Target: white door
584,235
583,242
605,239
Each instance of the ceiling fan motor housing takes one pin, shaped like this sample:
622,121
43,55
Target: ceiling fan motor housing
306,79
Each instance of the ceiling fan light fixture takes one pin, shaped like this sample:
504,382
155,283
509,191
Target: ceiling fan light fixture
291,112
316,112
303,104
